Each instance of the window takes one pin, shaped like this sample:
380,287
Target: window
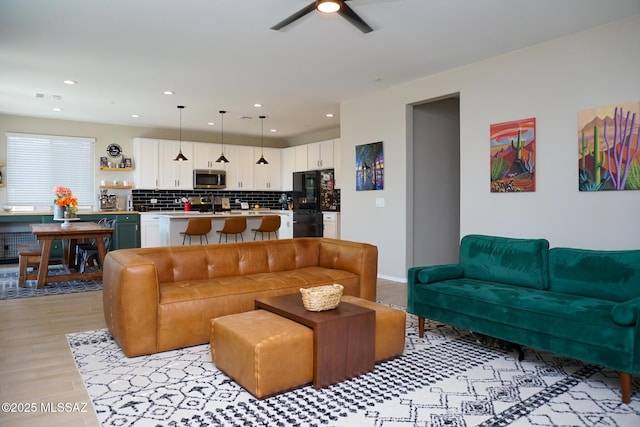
37,163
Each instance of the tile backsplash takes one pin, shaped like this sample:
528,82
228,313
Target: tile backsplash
166,199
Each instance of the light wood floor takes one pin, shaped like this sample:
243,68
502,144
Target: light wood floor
36,366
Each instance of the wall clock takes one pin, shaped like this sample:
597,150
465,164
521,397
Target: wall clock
114,150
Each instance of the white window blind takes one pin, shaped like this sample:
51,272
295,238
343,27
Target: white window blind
38,163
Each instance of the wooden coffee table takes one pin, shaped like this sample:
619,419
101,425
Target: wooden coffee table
344,338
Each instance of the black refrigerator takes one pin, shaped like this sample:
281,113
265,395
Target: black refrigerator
307,209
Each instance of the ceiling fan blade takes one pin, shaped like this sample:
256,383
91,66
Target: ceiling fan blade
348,13
299,14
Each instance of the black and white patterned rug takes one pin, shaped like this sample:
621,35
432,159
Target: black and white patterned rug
9,285
444,379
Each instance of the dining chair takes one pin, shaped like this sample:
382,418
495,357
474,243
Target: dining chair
88,252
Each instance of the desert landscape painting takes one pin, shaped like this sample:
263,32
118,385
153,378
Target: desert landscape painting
513,156
608,148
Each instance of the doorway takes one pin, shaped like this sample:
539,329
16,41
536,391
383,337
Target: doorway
434,176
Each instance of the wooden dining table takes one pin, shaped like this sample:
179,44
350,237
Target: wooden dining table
69,234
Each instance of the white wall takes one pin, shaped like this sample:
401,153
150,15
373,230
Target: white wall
551,82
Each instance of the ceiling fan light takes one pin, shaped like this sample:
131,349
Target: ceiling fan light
328,6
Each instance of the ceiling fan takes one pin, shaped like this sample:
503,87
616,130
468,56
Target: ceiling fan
327,6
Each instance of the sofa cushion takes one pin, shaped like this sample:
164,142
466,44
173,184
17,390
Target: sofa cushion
519,262
610,275
186,290
624,314
575,319
436,273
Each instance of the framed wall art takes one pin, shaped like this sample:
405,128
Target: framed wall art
609,148
513,156
369,167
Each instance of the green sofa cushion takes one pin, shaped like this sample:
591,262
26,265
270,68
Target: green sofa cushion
623,315
437,273
626,313
519,262
610,275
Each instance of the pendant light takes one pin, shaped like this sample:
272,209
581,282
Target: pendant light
180,157
262,160
222,158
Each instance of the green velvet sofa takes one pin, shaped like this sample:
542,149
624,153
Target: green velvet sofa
583,304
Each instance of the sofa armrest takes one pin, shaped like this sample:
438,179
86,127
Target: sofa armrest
360,259
438,273
626,313
130,300
426,275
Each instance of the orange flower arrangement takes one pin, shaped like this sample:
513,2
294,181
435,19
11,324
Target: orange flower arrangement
65,199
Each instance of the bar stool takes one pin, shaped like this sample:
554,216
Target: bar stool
269,224
197,227
233,225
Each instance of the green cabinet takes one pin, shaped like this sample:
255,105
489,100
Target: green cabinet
14,229
127,231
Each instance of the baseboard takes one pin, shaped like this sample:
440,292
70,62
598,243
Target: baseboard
394,279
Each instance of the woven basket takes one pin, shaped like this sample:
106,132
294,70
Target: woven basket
321,298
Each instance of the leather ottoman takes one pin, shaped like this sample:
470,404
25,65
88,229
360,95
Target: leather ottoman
390,327
263,352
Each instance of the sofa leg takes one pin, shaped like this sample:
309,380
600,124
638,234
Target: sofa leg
625,385
421,327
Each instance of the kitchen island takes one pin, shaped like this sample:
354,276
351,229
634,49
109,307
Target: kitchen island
172,223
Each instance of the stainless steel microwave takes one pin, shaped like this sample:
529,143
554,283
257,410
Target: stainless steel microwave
209,179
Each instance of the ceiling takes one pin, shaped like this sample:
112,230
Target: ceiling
222,55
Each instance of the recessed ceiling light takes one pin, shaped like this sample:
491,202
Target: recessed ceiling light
257,105
329,115
211,124
135,116
70,82
273,130
169,92
57,109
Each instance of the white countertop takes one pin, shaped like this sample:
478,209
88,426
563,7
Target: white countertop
192,214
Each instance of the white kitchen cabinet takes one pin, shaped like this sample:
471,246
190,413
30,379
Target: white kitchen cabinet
175,175
331,223
288,164
240,167
320,155
267,177
205,155
149,230
337,164
294,159
145,156
286,226
301,158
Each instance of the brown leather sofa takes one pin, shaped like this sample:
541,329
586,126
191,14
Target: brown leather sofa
159,299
